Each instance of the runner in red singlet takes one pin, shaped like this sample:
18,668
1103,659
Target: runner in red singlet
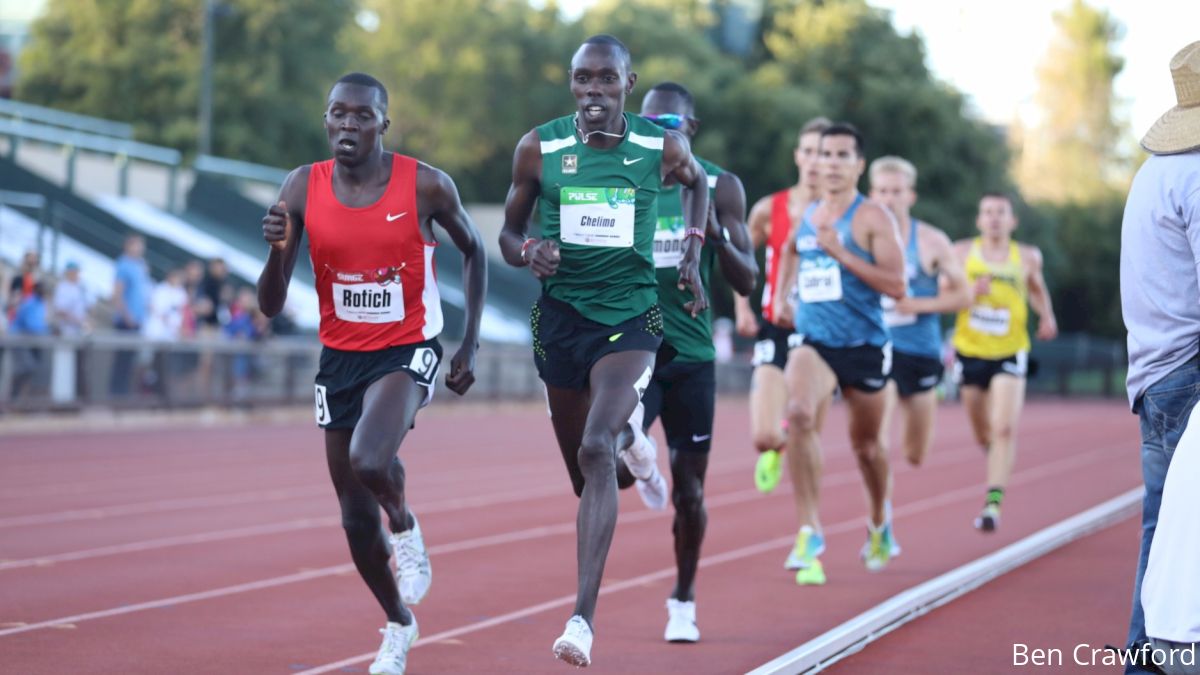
771,223
369,215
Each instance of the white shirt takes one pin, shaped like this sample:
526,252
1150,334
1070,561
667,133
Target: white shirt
1160,258
70,305
164,321
1171,587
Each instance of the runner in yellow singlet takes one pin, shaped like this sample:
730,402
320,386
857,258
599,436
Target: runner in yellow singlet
991,339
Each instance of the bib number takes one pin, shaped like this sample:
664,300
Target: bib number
601,217
424,363
321,406
989,320
764,352
668,242
893,318
820,283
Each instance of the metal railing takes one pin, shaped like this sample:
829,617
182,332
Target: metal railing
64,119
122,150
233,168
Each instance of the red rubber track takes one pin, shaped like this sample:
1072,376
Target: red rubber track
219,550
1075,600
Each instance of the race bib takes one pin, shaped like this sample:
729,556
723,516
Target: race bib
369,297
764,352
668,241
321,406
597,216
989,320
820,282
894,318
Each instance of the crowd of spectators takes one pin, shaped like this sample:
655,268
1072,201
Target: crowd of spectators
197,302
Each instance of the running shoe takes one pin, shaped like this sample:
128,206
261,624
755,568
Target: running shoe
641,456
988,519
681,621
803,557
575,644
813,575
880,548
393,653
414,574
768,471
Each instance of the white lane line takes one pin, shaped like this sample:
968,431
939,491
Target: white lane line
854,635
846,526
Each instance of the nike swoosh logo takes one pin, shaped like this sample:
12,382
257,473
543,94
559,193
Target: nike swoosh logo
390,217
632,161
616,337
700,439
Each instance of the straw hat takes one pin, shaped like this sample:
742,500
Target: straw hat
1178,130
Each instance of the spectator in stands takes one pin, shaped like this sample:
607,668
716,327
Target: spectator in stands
1160,301
212,312
30,319
21,286
246,323
130,298
71,304
164,323
193,276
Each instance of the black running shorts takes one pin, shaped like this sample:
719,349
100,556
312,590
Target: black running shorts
865,367
973,372
773,345
567,344
683,394
343,378
915,374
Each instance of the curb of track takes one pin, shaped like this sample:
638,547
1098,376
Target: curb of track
853,635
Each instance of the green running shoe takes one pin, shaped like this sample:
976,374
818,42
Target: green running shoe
768,471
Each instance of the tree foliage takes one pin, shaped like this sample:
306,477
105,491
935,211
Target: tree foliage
139,61
1073,151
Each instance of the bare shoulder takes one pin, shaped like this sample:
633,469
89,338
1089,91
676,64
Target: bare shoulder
432,181
294,190
873,214
934,237
1031,256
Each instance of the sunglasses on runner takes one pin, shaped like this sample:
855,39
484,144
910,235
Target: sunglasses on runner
668,120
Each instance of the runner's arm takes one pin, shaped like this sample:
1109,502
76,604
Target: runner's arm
953,293
731,238
1039,295
886,274
759,224
679,164
283,228
517,247
439,192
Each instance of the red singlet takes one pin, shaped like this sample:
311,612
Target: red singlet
781,226
375,275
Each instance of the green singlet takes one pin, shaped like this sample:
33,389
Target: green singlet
691,337
601,207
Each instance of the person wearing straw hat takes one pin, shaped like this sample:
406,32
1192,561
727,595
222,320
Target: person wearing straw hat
1160,300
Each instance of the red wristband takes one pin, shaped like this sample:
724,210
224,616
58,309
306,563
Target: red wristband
693,232
525,247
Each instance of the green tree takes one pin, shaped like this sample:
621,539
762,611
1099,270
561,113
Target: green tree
138,61
868,74
1073,151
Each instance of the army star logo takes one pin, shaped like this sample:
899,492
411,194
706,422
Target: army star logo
570,164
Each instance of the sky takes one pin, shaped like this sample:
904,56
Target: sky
990,50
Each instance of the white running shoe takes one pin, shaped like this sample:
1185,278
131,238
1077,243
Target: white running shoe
681,621
575,644
393,653
641,456
414,574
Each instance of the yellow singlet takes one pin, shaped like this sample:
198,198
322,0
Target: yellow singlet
995,326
